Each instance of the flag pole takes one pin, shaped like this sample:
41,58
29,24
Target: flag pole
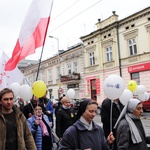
42,50
44,41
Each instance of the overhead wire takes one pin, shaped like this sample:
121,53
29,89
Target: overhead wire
72,17
75,16
64,10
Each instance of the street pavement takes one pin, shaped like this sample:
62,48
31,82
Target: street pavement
145,119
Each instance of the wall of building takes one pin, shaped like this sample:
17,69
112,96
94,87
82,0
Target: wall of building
135,26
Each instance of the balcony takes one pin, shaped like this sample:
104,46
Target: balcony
70,77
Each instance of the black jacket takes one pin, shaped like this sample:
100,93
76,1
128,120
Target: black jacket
105,115
57,107
64,119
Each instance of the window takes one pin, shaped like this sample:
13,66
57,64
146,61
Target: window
108,53
43,76
92,58
69,68
49,75
132,46
135,77
75,66
58,73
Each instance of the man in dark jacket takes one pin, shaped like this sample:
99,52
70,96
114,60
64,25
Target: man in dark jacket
58,106
29,108
117,107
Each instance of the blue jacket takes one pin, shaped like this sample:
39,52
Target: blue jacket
80,138
49,107
37,130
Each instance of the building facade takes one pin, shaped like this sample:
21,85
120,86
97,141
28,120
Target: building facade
61,72
118,47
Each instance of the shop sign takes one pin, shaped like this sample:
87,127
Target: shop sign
73,86
98,86
139,67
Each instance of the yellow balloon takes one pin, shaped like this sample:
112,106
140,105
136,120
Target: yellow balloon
39,88
132,85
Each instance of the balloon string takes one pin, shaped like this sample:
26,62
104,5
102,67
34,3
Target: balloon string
33,107
111,116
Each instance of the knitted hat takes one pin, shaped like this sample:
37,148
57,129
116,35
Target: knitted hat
83,106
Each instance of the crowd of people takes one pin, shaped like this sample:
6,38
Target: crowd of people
31,126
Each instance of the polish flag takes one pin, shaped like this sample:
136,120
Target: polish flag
33,32
9,77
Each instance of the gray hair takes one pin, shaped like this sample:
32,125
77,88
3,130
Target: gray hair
65,99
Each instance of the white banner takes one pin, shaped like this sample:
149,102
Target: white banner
8,77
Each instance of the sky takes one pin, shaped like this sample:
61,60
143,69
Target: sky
70,19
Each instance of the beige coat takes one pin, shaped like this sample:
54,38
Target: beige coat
24,136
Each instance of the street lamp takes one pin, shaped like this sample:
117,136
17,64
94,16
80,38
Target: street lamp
57,42
58,55
59,83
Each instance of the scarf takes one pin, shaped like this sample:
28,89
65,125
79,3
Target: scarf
44,128
135,135
66,107
86,124
129,107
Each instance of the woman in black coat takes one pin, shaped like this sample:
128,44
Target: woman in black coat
65,116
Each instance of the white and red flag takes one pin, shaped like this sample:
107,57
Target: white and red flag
33,32
8,77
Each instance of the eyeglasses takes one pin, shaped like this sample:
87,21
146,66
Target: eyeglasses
10,98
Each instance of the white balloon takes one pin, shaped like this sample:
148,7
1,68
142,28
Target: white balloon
113,86
71,93
144,96
141,97
15,88
126,96
140,89
135,93
25,92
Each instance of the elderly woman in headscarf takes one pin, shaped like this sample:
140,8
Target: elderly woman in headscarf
130,133
85,133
